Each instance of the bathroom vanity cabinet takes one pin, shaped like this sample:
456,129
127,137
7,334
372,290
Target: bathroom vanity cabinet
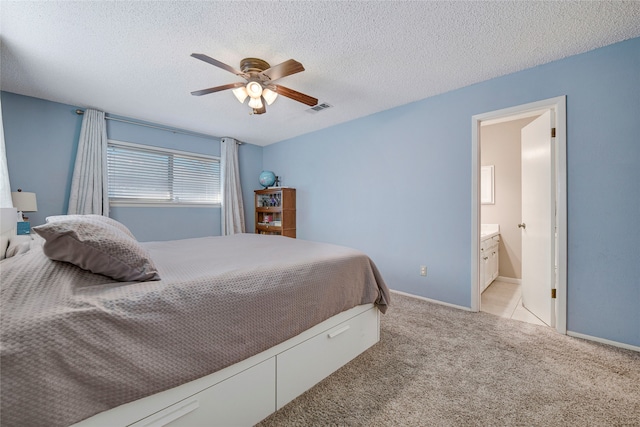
489,260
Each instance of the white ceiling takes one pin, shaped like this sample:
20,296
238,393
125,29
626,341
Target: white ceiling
133,58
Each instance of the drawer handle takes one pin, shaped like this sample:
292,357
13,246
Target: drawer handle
165,419
339,331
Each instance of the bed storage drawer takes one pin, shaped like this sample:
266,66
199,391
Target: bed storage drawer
242,400
306,364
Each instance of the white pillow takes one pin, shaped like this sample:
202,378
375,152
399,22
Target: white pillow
19,244
4,244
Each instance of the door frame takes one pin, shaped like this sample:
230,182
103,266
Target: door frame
558,106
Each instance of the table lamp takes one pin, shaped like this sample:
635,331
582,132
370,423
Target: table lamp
24,202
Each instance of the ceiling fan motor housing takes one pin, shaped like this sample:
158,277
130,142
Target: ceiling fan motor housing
253,65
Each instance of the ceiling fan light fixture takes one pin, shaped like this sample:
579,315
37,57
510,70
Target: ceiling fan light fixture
254,89
241,94
255,103
269,96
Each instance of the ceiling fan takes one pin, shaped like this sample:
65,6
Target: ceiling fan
259,86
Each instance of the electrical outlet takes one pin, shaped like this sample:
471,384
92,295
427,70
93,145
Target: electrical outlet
423,270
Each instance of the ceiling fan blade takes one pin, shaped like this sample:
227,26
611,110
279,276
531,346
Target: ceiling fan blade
295,95
217,89
282,70
218,64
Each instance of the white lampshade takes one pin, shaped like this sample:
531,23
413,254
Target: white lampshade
241,93
254,89
255,103
269,96
25,202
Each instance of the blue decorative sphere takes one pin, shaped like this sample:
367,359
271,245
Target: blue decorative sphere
267,178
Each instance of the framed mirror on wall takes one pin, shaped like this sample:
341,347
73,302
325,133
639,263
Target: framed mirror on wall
486,185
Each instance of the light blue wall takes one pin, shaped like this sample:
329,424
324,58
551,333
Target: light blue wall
397,185
41,141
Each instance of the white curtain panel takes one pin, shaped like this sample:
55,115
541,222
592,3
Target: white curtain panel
89,191
232,206
5,187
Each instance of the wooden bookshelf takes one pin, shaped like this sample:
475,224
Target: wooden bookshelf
276,211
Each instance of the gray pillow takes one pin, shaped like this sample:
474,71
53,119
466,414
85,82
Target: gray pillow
94,245
110,221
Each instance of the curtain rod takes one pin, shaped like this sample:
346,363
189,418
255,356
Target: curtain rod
167,129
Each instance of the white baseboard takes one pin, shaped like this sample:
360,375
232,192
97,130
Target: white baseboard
604,341
509,280
435,301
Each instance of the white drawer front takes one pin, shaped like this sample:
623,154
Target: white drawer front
306,364
242,400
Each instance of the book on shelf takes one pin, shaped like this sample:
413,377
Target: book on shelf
272,223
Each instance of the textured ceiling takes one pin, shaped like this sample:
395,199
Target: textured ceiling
133,58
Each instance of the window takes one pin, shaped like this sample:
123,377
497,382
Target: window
142,175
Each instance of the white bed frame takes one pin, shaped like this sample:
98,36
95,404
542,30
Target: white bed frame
247,392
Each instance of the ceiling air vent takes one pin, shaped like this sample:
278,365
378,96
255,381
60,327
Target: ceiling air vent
319,108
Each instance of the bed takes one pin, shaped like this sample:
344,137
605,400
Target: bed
218,331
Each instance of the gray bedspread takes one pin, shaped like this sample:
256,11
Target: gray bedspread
74,344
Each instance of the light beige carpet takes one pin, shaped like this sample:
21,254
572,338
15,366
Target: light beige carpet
439,366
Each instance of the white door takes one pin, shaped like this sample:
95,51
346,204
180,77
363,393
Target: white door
538,218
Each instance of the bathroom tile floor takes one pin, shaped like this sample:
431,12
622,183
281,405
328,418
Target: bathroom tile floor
505,300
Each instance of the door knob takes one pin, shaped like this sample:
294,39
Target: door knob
523,225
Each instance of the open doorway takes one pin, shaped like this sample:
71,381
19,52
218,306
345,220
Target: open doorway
525,244
501,212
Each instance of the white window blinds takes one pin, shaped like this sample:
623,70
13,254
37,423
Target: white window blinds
149,175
